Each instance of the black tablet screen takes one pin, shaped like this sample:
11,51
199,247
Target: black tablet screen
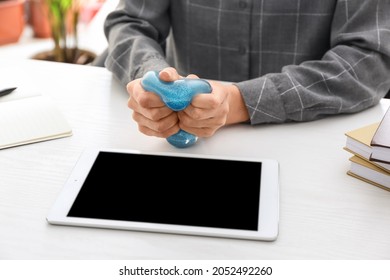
171,190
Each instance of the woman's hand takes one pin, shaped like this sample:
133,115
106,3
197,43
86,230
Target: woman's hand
203,117
153,117
209,112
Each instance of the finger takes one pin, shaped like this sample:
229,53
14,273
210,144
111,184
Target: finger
202,132
160,125
207,101
188,122
149,132
169,74
163,128
130,86
144,98
149,99
152,113
192,76
205,110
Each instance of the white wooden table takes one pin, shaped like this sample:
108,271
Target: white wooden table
324,213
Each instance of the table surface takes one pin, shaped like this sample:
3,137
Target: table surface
324,213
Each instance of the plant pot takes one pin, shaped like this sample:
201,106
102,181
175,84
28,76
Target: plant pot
78,56
39,18
12,21
63,16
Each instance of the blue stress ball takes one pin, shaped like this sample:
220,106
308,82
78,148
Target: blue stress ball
177,96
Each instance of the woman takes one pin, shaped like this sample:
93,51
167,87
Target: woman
285,60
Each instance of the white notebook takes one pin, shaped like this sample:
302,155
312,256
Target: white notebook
27,117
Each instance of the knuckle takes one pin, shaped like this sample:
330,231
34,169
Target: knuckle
196,114
143,100
206,132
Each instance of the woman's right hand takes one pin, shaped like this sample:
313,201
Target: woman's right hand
153,117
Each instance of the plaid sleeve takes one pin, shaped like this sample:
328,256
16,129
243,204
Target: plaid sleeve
136,32
352,75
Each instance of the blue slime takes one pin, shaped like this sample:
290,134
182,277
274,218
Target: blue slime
177,95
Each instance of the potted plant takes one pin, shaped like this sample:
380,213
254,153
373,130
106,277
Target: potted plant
63,17
12,20
39,18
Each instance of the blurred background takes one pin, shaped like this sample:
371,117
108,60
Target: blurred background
57,30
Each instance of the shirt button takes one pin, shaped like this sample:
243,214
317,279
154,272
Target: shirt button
242,4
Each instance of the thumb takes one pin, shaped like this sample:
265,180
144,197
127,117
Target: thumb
169,74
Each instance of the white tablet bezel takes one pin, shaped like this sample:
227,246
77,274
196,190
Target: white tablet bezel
268,212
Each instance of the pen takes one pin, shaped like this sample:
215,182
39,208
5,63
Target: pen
6,91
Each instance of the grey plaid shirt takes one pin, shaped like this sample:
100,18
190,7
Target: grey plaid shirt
293,60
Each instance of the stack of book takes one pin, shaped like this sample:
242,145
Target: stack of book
370,146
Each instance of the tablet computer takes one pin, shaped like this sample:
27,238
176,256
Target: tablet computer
180,193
